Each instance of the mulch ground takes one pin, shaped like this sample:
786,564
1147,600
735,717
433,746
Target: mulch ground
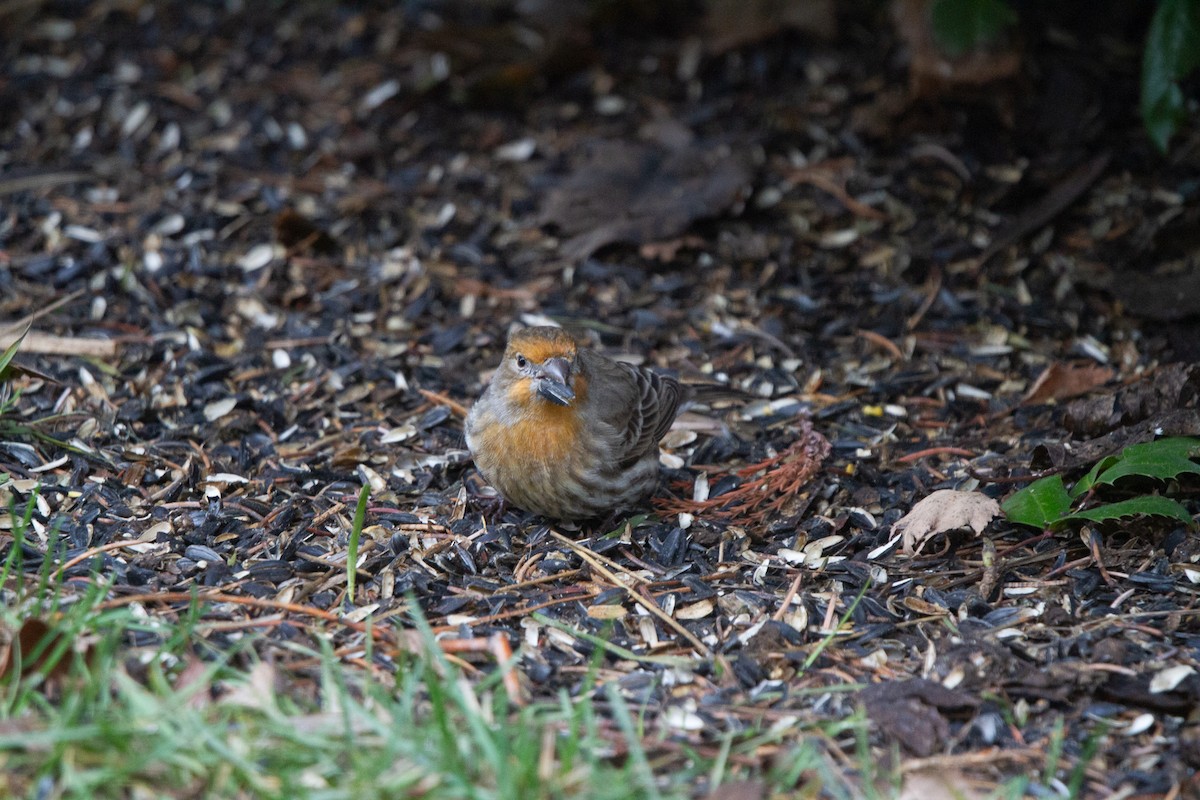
270,255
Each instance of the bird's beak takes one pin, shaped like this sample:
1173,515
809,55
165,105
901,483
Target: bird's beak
552,381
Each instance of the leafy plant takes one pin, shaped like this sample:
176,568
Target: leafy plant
1172,51
11,426
962,25
1164,459
7,401
1046,503
360,516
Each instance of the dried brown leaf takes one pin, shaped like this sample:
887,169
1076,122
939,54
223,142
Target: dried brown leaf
623,192
34,645
1062,381
941,512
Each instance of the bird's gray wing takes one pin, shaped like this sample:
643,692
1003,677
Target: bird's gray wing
645,405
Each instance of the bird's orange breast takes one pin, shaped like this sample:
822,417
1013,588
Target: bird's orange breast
547,433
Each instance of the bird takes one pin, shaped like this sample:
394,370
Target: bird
567,433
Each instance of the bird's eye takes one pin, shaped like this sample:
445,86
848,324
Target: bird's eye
521,362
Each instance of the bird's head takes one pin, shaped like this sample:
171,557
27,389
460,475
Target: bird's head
541,366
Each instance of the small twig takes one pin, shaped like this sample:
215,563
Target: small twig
601,563
644,600
574,597
983,757
513,587
1061,196
934,451
935,287
1067,567
50,345
29,319
379,634
787,598
92,552
881,341
1094,545
821,176
458,409
615,649
497,645
828,638
336,508
227,625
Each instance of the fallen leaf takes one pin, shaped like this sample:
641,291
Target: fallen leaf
1136,692
1074,455
36,643
1165,293
941,512
1062,381
621,192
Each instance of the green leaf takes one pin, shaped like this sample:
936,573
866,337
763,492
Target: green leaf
1150,506
1163,459
1172,51
11,352
962,25
1089,480
1039,504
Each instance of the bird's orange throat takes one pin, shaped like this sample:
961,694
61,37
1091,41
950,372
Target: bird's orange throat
543,428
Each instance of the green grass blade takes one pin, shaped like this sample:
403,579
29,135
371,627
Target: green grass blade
360,516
